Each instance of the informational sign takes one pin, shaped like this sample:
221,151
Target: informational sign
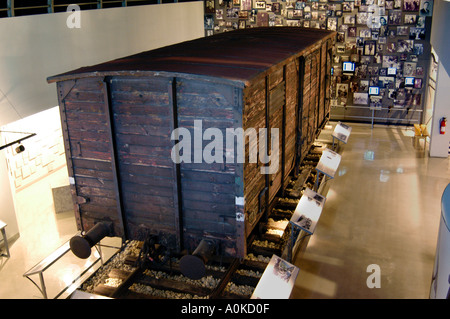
329,163
308,211
342,132
277,280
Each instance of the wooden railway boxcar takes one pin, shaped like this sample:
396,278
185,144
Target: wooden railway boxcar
118,119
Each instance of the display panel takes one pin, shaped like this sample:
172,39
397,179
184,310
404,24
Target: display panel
374,90
409,81
348,66
391,71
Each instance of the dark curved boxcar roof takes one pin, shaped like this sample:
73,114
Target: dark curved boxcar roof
238,55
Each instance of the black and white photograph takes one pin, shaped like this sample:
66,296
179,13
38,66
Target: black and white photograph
209,21
360,98
349,19
409,69
332,23
365,33
386,81
233,13
342,90
260,5
418,48
363,85
376,102
370,47
209,6
413,99
361,18
416,33
395,17
405,46
411,5
402,30
410,19
426,8
390,61
391,47
351,32
420,22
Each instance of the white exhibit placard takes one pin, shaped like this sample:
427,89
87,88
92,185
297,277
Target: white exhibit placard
342,132
329,162
308,210
277,280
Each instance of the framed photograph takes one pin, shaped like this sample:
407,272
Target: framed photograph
391,47
410,19
261,5
370,47
299,5
332,24
349,19
417,83
395,17
409,69
402,30
411,5
209,21
360,98
373,70
243,14
376,102
361,18
236,3
262,19
386,81
348,6
406,46
397,4
419,71
390,61
276,7
297,14
389,4
232,13
420,22
209,6
416,33
351,32
365,33
418,48
246,5
413,99
426,8
342,90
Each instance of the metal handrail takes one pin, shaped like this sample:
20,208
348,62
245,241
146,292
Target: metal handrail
11,8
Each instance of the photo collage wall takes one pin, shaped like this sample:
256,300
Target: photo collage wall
382,53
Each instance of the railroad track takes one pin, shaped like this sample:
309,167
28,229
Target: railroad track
124,277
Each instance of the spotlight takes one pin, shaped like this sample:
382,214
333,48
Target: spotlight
20,149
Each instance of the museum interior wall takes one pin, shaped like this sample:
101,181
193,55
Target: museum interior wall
385,41
44,45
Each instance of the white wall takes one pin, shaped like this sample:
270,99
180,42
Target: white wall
36,47
7,210
439,144
33,48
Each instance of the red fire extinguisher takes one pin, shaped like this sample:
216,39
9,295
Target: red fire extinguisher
443,124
